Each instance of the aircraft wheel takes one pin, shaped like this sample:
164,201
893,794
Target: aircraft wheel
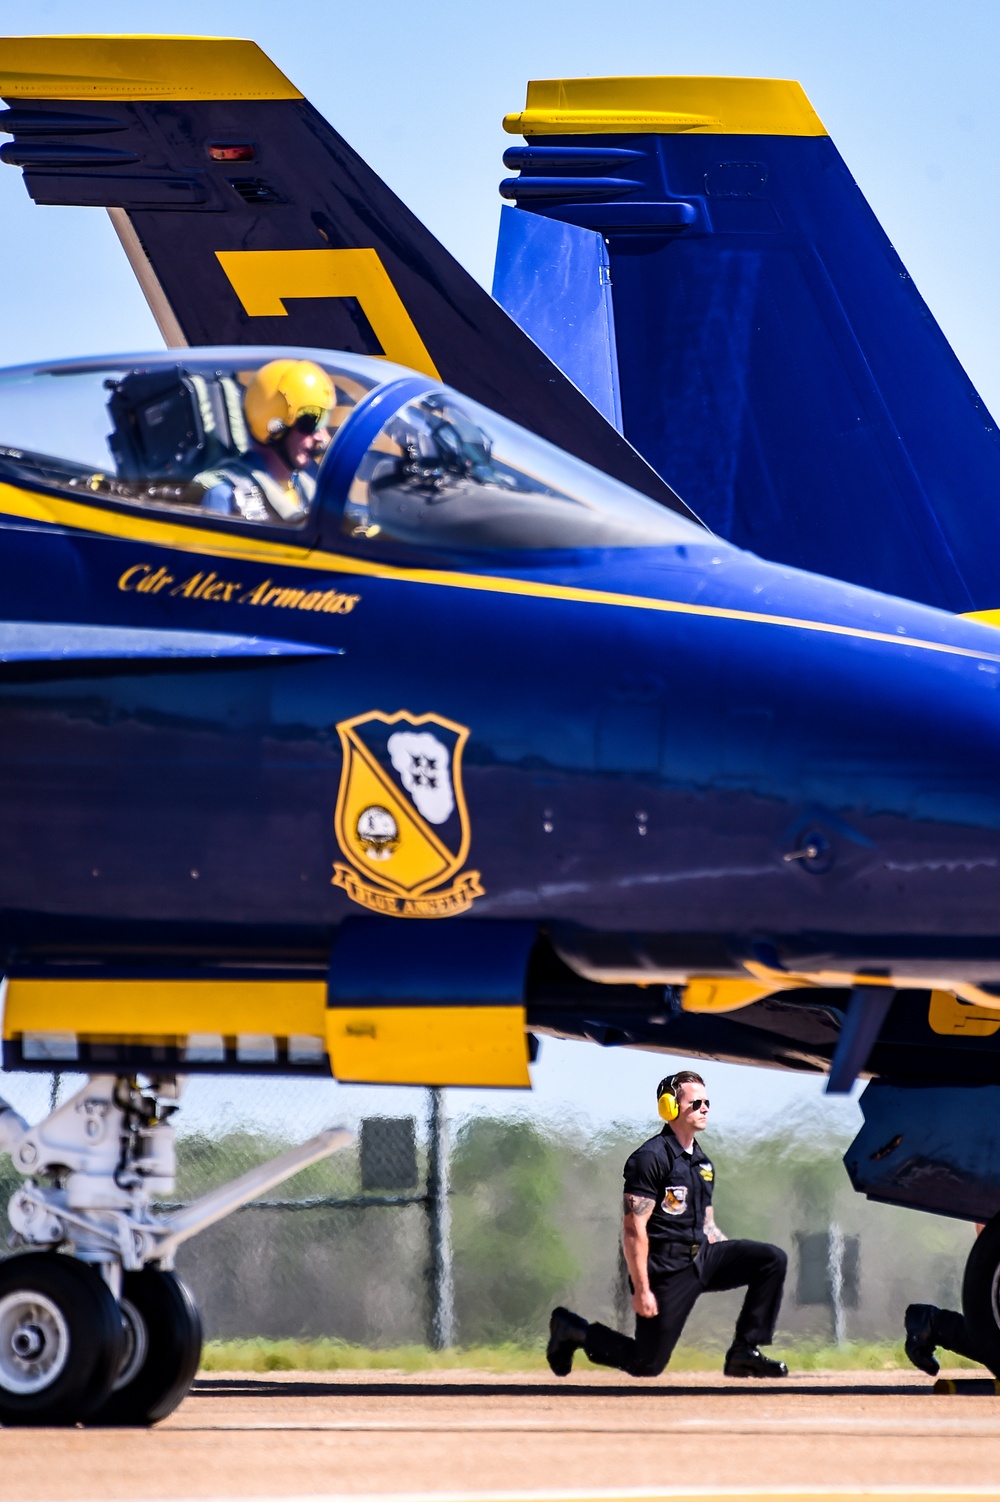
60,1339
981,1294
162,1349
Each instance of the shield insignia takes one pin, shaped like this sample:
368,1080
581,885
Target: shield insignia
401,816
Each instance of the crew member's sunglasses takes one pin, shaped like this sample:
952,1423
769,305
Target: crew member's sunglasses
696,1105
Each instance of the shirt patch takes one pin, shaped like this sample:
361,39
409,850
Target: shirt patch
707,1172
675,1199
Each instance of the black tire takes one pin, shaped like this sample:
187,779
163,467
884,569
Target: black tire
163,1349
61,1339
981,1295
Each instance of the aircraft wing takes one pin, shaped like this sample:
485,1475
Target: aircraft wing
249,220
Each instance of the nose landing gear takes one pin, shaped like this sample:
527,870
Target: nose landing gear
97,1327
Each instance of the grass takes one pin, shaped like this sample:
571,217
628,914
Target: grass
857,1356
324,1355
261,1355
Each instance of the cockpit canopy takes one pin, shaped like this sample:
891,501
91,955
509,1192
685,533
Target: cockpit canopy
153,431
388,464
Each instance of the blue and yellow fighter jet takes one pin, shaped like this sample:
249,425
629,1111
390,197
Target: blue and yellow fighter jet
369,704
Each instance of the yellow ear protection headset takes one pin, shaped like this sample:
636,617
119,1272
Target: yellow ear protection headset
666,1099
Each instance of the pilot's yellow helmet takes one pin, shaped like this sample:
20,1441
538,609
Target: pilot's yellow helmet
282,393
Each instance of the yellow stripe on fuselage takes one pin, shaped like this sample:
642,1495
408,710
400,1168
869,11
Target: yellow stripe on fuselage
207,541
125,527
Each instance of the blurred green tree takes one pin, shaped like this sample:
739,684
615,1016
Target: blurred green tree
511,1254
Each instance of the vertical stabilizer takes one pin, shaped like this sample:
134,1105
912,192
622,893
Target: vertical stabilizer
769,354
248,220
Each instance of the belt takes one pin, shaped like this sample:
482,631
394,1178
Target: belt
679,1249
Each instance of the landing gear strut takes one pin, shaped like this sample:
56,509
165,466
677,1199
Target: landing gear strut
95,1326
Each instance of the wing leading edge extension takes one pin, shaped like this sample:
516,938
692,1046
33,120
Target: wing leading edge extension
248,220
72,642
696,255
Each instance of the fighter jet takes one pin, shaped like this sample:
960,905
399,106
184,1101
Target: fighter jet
370,705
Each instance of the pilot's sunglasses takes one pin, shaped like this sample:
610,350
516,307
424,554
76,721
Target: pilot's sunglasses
696,1105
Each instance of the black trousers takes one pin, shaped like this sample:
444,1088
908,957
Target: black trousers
719,1265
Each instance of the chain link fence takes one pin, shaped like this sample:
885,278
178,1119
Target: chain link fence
350,1247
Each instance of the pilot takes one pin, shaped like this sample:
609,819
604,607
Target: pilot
675,1252
287,406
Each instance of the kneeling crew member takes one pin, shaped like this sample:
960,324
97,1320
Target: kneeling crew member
675,1252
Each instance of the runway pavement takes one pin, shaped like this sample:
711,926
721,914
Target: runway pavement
471,1435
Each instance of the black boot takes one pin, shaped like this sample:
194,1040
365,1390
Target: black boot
567,1332
749,1361
918,1323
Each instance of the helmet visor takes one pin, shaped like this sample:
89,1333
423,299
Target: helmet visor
308,420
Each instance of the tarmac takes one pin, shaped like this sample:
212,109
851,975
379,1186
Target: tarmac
470,1435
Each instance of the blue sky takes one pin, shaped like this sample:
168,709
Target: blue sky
907,90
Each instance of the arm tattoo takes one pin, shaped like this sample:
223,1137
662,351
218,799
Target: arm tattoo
639,1206
712,1231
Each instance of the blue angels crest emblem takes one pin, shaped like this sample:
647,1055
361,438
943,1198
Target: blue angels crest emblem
401,820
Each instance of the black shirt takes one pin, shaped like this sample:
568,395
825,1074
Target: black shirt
680,1185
